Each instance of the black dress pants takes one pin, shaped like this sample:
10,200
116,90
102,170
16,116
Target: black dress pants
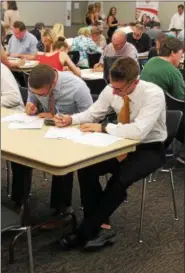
100,204
61,189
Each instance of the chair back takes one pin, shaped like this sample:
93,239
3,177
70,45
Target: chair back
173,103
9,219
24,94
108,62
93,58
173,120
75,56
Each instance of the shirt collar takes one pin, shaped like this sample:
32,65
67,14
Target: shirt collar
134,95
25,35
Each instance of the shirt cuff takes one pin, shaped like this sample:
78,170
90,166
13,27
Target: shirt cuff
75,120
115,129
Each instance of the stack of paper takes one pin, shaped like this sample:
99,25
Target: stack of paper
23,121
93,139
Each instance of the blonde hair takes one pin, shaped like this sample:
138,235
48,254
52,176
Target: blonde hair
58,29
83,31
50,34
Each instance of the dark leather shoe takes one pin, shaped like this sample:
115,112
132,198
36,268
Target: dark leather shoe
70,241
103,239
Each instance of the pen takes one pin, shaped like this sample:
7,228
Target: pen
58,111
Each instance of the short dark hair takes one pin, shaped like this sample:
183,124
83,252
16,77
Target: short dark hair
132,24
41,75
12,5
39,25
169,45
124,69
20,25
181,6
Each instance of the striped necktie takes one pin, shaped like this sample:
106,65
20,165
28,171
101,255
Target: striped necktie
51,104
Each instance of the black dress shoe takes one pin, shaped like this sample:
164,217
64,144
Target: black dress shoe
70,241
103,239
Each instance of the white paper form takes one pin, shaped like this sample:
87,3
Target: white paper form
74,134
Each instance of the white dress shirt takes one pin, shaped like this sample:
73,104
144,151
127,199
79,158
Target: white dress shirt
10,93
177,21
147,113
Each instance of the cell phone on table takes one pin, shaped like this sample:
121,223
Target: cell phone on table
49,122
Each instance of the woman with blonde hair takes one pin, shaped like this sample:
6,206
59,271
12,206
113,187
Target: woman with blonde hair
48,39
59,30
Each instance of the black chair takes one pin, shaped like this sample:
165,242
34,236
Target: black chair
75,56
11,221
177,104
108,62
93,58
173,120
24,94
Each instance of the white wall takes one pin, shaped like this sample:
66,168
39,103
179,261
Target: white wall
48,12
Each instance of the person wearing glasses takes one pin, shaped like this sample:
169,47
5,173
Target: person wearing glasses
139,39
141,110
52,91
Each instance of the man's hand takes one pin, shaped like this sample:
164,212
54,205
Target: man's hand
91,127
21,62
31,109
45,115
98,68
62,120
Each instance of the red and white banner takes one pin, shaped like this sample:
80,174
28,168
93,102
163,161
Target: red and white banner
145,9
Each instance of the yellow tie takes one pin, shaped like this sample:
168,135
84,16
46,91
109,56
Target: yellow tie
124,117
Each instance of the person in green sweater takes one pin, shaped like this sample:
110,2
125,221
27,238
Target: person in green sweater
163,70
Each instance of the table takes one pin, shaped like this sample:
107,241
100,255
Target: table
27,67
143,56
57,157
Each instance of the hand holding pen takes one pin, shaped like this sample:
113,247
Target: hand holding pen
62,120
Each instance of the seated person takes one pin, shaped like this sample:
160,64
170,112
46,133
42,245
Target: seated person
4,58
58,29
180,36
48,39
172,33
10,93
141,110
163,70
139,39
83,43
118,47
154,51
22,42
154,32
39,27
58,58
97,37
52,90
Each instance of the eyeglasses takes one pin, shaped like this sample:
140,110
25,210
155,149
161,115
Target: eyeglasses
125,88
45,93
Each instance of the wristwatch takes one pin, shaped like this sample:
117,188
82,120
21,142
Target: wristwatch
103,128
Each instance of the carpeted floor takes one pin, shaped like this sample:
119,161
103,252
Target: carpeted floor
161,252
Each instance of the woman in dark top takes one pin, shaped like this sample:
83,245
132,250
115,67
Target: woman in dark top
154,51
112,22
90,16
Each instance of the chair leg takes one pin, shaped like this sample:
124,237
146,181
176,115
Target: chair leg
8,178
45,178
150,178
11,247
173,195
155,176
30,251
142,210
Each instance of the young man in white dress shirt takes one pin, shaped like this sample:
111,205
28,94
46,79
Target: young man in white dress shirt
177,20
146,121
